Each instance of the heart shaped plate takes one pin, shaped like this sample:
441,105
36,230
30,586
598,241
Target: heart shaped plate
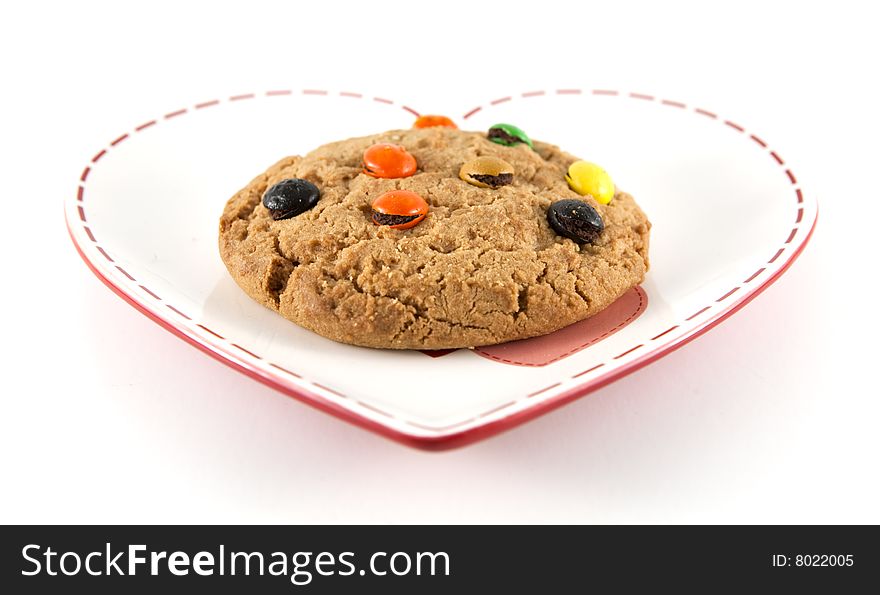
729,218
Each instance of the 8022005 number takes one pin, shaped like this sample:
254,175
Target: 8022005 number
823,560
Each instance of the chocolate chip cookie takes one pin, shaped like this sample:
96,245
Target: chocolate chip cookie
434,238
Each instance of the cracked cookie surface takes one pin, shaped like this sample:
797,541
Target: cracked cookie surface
483,267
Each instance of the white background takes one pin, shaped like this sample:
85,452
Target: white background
771,417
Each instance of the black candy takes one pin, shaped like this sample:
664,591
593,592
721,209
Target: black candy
291,197
576,220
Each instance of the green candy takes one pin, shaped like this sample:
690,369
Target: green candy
508,135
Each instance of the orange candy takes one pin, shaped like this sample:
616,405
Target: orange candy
385,160
431,121
399,209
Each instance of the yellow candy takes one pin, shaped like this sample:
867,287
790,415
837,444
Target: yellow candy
588,178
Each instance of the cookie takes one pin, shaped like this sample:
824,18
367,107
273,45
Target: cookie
482,265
